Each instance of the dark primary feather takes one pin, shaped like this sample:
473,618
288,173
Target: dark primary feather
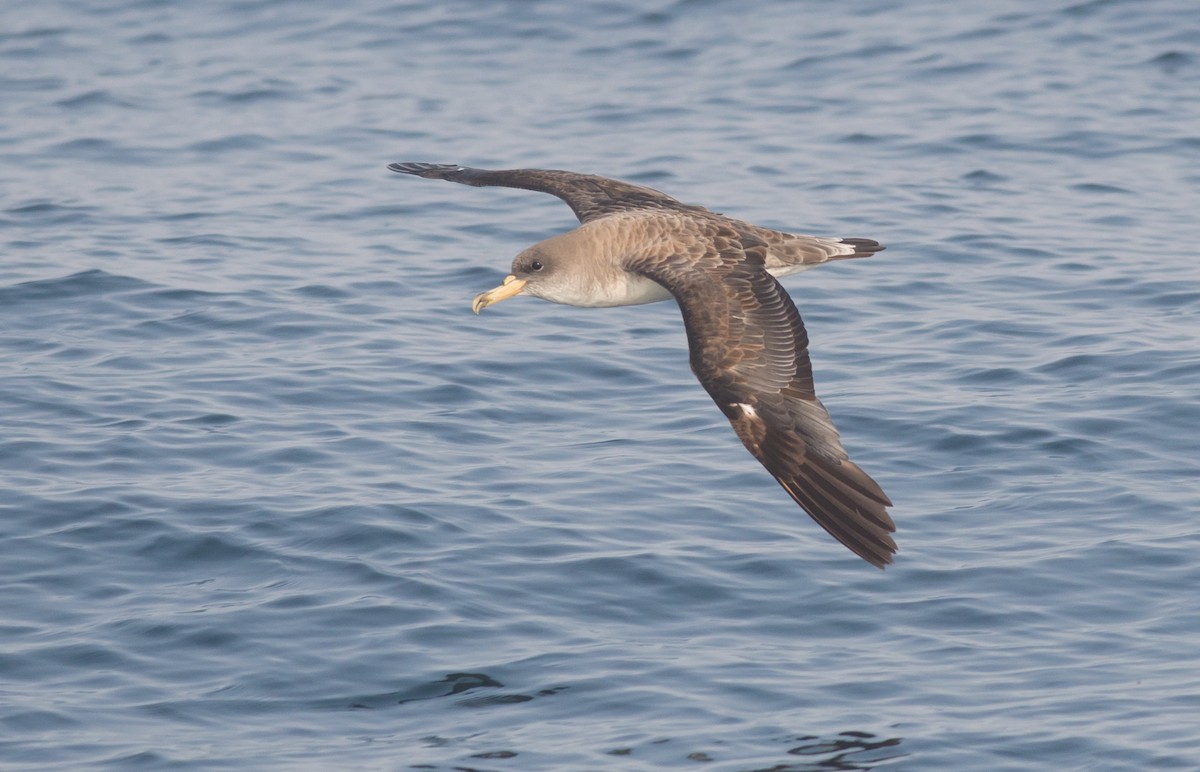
589,196
749,348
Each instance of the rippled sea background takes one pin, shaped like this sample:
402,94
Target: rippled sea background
271,497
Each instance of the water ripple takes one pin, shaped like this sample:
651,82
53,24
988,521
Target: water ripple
274,497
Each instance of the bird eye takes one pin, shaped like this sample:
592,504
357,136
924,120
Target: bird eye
536,265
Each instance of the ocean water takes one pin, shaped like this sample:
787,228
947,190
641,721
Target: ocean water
271,497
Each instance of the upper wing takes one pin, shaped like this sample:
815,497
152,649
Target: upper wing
750,351
588,196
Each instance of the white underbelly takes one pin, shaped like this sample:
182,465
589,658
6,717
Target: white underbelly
636,290
633,291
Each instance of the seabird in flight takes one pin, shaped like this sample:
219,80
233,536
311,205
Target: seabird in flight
748,346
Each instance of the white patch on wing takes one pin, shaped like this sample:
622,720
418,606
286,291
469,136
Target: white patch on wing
788,270
746,409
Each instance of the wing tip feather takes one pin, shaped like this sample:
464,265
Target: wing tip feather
863,527
429,171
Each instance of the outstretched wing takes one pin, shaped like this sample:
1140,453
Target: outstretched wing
749,349
588,196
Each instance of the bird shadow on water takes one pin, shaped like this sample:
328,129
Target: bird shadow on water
848,750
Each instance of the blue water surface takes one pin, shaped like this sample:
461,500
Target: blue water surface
271,497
